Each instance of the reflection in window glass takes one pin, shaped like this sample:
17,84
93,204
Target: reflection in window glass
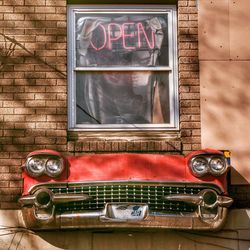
122,98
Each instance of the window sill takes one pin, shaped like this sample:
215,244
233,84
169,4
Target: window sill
134,141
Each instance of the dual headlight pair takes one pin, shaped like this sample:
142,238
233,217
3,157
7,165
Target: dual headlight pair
215,165
49,165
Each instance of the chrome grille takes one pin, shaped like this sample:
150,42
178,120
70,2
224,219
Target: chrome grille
137,193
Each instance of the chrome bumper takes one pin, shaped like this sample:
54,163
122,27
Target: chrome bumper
95,220
39,212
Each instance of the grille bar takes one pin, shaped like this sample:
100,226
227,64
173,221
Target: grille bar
130,193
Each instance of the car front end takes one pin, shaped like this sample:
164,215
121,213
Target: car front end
125,191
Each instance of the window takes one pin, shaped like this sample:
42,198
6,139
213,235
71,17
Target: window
122,68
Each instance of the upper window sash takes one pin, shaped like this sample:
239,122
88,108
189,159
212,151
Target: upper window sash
141,22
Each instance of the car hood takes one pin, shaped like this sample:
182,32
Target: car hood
127,167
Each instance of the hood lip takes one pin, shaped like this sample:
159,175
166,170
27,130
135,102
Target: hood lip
45,152
207,151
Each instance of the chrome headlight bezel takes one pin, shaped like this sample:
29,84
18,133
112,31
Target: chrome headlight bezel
60,165
45,160
30,168
213,169
209,168
196,172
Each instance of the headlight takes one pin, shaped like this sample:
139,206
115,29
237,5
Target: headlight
35,166
199,166
43,164
218,165
54,167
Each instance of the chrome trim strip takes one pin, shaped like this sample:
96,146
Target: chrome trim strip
193,199
54,198
26,200
134,182
222,201
64,198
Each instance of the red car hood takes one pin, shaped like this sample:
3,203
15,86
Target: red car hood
126,167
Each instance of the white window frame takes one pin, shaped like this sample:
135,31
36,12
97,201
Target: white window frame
172,69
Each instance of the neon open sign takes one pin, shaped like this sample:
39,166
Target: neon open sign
124,33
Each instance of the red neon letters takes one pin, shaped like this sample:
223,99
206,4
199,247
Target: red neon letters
115,31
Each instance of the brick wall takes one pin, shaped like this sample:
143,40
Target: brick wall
33,92
189,88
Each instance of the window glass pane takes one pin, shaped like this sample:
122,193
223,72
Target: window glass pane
122,98
121,40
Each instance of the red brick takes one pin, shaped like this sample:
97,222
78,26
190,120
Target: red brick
190,125
193,17
23,140
10,162
4,96
13,16
24,9
13,75
14,104
183,17
45,140
46,111
187,10
24,96
24,111
14,118
13,2
45,9
6,9
35,2
182,3
56,17
35,89
34,32
36,118
16,184
45,96
56,133
35,17
61,24
35,132
35,103
47,125
4,169
56,3
4,184
195,110
56,103
7,24
24,125
58,118
13,132
62,10
4,155
192,3
62,125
